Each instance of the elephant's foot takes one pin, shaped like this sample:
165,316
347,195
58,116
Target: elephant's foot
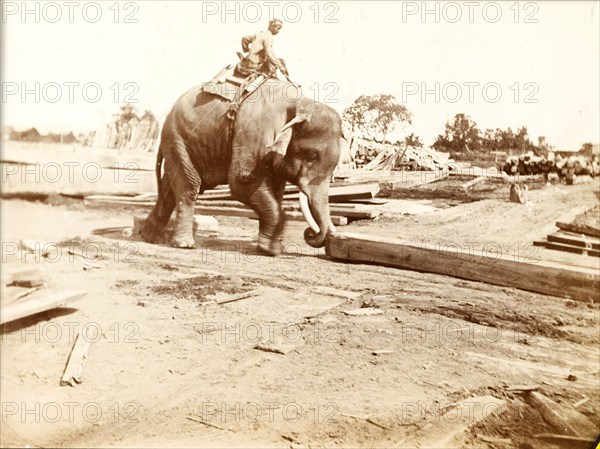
183,241
269,247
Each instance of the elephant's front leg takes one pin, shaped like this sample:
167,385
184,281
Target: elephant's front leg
271,219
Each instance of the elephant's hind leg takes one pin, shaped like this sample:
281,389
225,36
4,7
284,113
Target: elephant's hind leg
186,186
154,228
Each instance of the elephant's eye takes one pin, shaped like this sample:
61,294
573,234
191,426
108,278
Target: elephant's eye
311,156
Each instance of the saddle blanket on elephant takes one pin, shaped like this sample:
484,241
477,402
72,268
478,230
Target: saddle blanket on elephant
226,85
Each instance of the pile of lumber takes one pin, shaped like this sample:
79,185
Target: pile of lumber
379,156
573,238
24,294
136,134
565,167
346,203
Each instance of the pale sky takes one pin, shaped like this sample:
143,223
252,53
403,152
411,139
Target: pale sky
335,50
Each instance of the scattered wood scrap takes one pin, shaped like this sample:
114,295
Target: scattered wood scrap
324,290
461,418
74,367
365,311
280,345
367,419
524,388
37,302
564,418
537,276
239,296
581,402
206,423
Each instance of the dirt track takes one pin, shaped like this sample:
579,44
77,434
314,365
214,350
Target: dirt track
167,352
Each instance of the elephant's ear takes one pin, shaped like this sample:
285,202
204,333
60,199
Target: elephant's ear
282,140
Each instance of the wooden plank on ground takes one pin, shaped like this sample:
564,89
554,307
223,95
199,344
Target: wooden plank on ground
567,248
565,419
371,201
355,211
467,185
345,193
538,276
12,294
22,275
575,240
74,367
579,228
38,302
249,213
457,420
566,441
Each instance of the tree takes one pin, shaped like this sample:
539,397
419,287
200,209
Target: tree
413,141
375,116
460,136
127,113
148,115
587,148
31,134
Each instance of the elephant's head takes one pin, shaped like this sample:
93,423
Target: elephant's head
310,144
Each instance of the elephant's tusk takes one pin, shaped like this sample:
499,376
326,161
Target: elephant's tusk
306,212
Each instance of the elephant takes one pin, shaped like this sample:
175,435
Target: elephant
277,135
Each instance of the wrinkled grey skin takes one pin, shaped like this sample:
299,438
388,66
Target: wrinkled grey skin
257,164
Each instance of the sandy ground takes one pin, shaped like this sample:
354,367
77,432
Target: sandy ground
164,352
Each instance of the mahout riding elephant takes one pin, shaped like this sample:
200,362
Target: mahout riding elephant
278,135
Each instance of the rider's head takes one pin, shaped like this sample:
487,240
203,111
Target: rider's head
275,25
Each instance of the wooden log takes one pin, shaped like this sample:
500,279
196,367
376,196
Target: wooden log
566,419
579,228
538,276
566,441
38,302
74,367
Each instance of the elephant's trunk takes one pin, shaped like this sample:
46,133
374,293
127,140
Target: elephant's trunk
315,208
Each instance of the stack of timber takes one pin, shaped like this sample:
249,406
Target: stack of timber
573,238
564,167
346,203
23,293
370,155
136,134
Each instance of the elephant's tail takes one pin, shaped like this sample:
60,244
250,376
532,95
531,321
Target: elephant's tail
159,161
